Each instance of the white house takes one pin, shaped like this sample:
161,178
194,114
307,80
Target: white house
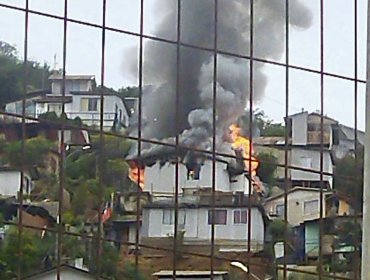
303,204
195,219
304,162
304,150
10,182
159,178
81,100
305,129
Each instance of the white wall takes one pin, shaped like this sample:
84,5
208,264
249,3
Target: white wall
299,129
162,179
10,182
298,156
296,201
16,107
240,183
93,118
73,110
66,275
71,85
197,227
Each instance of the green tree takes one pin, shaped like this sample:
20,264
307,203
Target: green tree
261,122
129,91
266,126
35,151
267,168
130,273
108,258
349,177
12,74
33,249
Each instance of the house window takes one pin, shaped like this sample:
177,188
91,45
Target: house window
220,217
240,216
280,210
311,207
90,104
57,108
168,217
27,185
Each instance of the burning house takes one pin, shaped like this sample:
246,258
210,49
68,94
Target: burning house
187,103
179,100
156,173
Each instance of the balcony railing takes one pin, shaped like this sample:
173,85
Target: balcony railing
91,116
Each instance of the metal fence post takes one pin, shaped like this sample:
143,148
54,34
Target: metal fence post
365,271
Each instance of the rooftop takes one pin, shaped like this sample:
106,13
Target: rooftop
72,77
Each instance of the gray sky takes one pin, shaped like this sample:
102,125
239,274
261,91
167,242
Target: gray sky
84,50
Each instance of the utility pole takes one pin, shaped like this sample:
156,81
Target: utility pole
365,271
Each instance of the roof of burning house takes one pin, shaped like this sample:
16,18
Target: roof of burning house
170,154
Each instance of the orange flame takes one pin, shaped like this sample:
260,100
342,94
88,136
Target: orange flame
136,174
244,145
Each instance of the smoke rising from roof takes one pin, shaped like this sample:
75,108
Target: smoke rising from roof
196,67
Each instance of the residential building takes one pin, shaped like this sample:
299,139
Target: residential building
11,179
195,217
305,130
331,244
304,205
344,141
304,162
82,99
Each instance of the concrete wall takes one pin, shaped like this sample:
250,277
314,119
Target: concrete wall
10,182
240,183
161,179
296,201
299,158
299,129
197,228
71,85
93,118
16,107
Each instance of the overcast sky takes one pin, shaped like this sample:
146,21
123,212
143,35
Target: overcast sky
84,50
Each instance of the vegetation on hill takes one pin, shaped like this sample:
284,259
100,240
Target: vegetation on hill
12,71
349,177
266,170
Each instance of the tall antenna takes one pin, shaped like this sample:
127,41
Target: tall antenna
55,69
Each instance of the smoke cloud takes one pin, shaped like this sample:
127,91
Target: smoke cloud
196,69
